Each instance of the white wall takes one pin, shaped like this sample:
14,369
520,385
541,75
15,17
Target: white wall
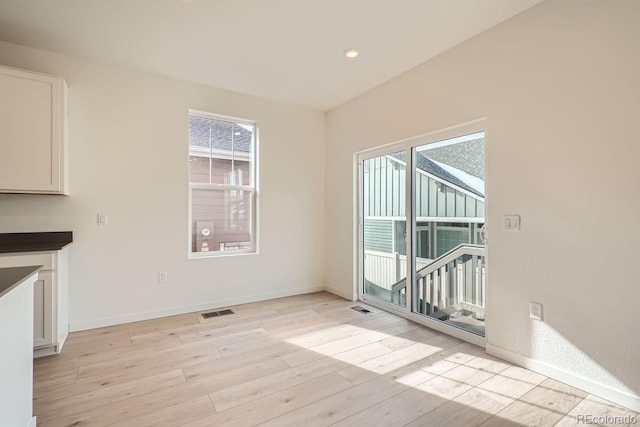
128,158
559,87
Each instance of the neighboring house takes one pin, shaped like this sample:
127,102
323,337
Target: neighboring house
219,153
449,193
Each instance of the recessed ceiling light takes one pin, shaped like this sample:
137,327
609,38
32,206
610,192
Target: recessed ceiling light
351,53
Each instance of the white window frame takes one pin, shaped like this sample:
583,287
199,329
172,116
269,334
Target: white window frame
253,189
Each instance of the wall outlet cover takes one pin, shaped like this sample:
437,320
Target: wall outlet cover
535,311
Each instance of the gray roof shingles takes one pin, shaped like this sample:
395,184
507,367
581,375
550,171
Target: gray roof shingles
225,135
467,156
429,166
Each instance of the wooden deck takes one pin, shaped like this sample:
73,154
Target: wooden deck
301,361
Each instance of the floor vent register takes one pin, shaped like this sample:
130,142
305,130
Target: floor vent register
216,313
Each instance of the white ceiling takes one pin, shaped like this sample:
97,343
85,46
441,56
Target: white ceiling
289,50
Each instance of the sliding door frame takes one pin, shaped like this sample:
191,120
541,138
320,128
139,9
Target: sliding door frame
408,146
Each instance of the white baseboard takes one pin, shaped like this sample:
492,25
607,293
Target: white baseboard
611,394
339,292
137,317
33,422
44,352
62,339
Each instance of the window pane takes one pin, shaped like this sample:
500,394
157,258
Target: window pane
384,228
448,184
449,239
199,169
222,219
221,152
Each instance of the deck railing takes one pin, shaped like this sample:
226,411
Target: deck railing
454,281
386,269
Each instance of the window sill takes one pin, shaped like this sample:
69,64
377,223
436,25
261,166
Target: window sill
207,255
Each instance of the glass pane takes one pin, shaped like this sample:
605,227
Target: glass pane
448,239
384,228
199,168
222,220
449,197
220,151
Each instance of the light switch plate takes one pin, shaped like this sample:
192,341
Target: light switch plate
511,223
102,219
535,311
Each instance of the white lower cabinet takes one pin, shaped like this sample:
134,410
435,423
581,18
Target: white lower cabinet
43,322
50,315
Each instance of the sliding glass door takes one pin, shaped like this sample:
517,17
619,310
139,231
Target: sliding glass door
448,200
422,232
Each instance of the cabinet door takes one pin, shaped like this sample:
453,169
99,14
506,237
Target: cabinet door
42,310
30,132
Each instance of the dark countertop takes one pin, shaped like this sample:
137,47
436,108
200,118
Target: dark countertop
33,242
13,276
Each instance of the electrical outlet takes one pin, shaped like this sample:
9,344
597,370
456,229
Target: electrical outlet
535,311
162,277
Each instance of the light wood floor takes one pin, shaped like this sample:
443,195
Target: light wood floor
301,361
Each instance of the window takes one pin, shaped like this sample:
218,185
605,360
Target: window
222,185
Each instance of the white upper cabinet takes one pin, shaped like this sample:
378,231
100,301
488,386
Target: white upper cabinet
33,133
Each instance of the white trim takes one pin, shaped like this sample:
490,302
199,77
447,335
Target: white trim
487,262
471,127
219,187
216,153
385,218
451,141
218,253
341,293
358,235
221,117
45,351
597,389
33,422
62,338
456,219
189,220
118,320
410,211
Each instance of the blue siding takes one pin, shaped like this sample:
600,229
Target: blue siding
378,235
